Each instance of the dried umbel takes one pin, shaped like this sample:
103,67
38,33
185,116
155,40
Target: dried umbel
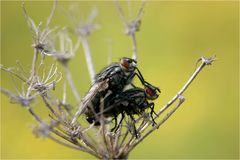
125,116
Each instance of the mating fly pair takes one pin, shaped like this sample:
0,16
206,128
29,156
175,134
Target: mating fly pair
108,90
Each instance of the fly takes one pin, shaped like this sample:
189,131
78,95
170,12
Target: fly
131,102
115,77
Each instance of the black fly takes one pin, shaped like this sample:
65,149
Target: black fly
115,77
131,102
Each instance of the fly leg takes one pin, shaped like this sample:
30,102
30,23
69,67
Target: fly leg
129,80
140,77
151,106
115,123
134,127
120,122
115,128
145,82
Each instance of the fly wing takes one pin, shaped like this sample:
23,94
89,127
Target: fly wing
95,88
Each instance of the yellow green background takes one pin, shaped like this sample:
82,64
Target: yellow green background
173,35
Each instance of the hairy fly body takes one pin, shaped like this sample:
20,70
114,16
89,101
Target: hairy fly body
131,102
116,76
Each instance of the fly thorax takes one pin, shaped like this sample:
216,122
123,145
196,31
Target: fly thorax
117,69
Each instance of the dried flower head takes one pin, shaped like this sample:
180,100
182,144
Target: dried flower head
66,123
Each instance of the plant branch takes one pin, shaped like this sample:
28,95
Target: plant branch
33,71
71,82
73,146
52,13
134,55
131,26
181,100
205,61
88,57
80,147
13,73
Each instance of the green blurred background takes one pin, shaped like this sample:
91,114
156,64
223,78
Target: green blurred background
173,35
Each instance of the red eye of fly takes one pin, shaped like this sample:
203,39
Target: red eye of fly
125,63
150,92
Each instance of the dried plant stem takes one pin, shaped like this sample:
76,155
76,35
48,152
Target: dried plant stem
52,13
78,146
131,147
71,82
134,55
13,73
50,107
87,142
73,146
88,58
33,71
103,132
34,64
205,61
66,127
131,26
37,118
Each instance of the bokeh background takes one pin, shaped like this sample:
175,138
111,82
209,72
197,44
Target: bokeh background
173,35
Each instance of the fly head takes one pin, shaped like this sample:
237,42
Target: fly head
128,64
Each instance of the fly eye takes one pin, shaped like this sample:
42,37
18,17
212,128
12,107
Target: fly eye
125,63
150,92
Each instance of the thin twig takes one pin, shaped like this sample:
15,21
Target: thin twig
52,13
13,73
50,107
71,82
181,100
33,71
103,131
34,64
134,55
73,146
80,147
131,26
88,58
205,61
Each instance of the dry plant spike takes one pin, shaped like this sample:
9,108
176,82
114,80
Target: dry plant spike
49,19
205,61
83,30
21,99
131,26
88,57
71,83
64,54
10,71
